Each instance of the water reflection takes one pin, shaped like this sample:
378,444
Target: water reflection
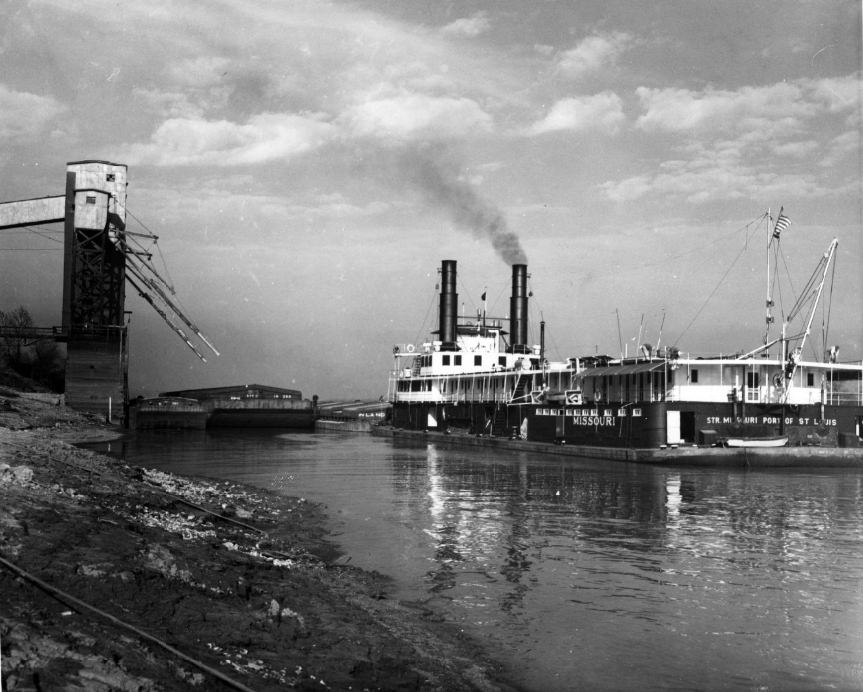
586,574
730,568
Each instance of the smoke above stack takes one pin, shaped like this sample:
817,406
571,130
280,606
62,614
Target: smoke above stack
438,180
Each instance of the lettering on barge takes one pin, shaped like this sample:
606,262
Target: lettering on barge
770,420
591,417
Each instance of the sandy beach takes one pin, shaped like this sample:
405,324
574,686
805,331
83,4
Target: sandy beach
121,578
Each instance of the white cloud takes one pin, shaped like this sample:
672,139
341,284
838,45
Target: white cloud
837,93
714,175
756,141
469,26
782,107
199,72
265,137
796,149
603,112
592,53
410,117
842,147
168,104
23,115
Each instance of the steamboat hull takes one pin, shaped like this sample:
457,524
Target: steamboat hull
261,418
725,457
485,386
649,425
658,424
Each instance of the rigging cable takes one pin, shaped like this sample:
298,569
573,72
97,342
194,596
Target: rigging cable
422,329
530,323
750,225
666,259
32,229
170,282
807,293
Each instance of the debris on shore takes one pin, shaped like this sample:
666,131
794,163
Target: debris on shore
121,578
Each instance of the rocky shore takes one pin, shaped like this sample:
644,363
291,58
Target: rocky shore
121,578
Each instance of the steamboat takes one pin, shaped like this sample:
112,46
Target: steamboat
476,378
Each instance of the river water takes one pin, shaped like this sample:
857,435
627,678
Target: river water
584,574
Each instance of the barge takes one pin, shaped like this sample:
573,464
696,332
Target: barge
475,378
240,406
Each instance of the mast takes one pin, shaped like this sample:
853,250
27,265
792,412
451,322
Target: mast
768,317
619,335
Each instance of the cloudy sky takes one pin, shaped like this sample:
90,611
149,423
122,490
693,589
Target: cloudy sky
308,164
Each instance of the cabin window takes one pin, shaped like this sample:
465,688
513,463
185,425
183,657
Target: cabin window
810,379
752,380
501,360
446,360
458,360
693,376
477,360
91,199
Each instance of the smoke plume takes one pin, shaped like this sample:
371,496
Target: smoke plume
437,178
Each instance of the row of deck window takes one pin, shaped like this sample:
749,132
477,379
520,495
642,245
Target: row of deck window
476,387
455,359
624,387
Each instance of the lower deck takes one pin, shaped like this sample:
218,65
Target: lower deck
648,425
785,457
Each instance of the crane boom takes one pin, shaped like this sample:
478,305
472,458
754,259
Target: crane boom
795,355
164,315
132,266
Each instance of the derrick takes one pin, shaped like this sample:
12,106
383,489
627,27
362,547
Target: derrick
100,255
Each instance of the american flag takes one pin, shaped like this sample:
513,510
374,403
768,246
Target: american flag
782,223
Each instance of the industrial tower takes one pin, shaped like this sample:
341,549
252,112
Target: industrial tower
99,257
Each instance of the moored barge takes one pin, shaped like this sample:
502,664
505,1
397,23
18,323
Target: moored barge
237,406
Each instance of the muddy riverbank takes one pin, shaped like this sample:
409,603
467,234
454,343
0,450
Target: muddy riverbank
121,578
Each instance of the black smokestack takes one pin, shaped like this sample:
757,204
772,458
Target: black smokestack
448,306
518,310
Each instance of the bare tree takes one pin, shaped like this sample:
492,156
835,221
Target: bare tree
38,358
15,324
